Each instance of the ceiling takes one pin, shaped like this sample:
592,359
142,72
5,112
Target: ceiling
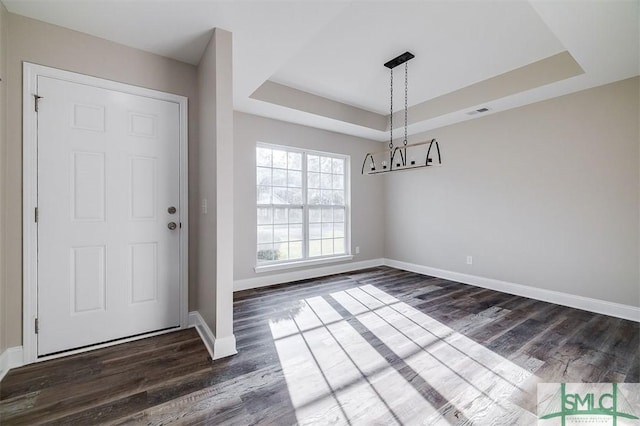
319,63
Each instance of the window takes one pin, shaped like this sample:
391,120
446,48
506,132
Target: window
302,204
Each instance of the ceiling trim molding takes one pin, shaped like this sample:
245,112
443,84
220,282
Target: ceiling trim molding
537,74
286,96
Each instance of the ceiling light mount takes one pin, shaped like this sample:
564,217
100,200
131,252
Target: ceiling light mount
399,60
401,157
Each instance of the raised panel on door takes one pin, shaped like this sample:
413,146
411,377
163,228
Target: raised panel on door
143,188
108,169
143,264
88,277
88,186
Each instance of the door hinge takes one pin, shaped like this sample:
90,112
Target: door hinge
37,101
36,326
36,214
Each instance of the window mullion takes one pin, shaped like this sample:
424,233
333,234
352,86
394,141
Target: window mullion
305,208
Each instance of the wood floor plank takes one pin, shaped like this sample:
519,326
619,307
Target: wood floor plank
377,346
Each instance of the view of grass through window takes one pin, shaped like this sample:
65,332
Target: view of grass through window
301,204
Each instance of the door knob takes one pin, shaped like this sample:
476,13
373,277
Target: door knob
172,225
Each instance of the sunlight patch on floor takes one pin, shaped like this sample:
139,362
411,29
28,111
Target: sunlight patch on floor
337,370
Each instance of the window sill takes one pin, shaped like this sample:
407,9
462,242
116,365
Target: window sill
301,263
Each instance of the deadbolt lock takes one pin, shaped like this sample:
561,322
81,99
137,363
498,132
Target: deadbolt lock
171,210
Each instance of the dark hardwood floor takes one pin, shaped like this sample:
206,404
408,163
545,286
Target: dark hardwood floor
379,346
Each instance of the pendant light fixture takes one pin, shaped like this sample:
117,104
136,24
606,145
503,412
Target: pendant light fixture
407,156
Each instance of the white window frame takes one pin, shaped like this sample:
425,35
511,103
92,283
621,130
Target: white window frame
274,265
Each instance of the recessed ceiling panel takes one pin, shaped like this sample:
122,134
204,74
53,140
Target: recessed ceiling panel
456,44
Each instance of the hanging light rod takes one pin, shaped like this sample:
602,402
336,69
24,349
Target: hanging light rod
405,156
399,60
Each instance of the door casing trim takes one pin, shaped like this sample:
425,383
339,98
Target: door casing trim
31,72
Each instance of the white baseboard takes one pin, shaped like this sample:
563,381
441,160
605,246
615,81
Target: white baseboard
218,348
617,310
304,274
10,358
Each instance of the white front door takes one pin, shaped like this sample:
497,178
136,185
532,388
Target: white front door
108,192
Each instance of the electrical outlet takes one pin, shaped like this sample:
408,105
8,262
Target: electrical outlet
357,249
204,206
469,260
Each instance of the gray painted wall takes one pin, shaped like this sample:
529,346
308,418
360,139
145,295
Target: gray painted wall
202,255
213,258
3,158
546,195
367,198
225,342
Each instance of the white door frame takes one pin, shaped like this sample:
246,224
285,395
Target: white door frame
31,72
